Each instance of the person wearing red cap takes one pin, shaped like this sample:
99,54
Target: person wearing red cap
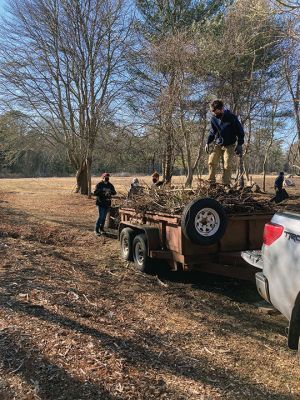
104,191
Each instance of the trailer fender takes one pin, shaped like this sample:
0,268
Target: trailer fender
152,235
153,239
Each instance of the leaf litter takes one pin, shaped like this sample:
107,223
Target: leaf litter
76,322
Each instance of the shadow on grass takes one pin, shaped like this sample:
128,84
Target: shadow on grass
141,356
47,380
21,218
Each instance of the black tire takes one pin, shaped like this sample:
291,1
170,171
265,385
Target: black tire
126,244
204,221
140,257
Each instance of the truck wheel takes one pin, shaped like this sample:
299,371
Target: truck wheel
140,257
126,241
204,221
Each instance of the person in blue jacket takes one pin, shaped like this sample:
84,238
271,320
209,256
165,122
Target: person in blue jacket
226,138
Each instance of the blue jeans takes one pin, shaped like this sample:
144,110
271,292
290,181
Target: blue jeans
101,219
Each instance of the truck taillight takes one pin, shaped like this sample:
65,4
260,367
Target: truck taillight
272,232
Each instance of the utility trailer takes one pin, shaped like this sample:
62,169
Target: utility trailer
202,238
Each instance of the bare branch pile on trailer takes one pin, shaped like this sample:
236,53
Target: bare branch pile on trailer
172,200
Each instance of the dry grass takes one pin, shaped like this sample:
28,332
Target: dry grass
78,323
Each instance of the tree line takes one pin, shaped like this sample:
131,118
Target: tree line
91,85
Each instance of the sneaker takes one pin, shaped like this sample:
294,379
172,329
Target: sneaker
97,233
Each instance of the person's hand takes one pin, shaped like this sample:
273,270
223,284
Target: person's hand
238,150
207,148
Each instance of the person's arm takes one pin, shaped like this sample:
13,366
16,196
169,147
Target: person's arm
212,133
113,191
97,190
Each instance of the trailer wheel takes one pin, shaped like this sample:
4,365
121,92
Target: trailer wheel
204,221
140,257
126,244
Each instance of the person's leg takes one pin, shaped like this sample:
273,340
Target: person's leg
278,197
102,217
98,222
285,194
213,161
281,195
229,156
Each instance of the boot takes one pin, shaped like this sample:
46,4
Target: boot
97,231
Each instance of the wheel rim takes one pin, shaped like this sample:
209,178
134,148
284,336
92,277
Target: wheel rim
125,245
139,253
207,222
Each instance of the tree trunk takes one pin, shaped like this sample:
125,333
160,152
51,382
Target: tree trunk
89,176
82,180
265,163
168,161
246,171
241,182
189,178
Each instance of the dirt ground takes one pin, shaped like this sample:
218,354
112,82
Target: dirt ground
76,322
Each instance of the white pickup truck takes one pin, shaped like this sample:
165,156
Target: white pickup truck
279,259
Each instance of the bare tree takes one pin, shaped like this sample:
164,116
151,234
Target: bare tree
292,76
62,61
187,99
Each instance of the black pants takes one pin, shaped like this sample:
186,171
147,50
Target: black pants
281,194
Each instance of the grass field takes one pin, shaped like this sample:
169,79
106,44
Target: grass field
76,322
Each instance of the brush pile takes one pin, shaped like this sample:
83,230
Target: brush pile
172,200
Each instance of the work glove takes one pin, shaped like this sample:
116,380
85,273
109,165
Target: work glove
207,148
238,150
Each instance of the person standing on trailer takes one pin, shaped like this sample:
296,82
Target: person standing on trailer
227,137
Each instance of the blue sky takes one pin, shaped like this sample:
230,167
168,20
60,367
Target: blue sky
2,7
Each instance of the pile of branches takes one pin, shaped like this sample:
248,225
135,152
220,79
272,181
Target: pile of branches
172,200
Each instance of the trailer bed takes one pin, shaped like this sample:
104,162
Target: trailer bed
166,241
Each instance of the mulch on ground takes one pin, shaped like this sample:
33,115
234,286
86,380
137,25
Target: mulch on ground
76,322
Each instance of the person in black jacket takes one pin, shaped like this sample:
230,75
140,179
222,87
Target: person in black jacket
104,191
280,193
227,134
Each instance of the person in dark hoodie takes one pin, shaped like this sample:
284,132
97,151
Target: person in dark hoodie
280,193
226,137
104,191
